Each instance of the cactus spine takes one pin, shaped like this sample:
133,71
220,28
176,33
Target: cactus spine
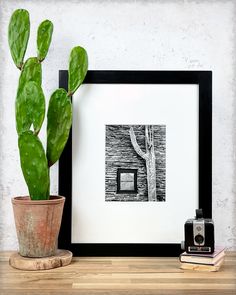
30,103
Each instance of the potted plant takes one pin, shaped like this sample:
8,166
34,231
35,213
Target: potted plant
38,216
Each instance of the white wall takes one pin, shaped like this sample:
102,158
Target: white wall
140,35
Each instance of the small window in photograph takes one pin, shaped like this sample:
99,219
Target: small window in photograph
126,181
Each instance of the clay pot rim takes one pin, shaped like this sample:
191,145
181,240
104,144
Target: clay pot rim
25,200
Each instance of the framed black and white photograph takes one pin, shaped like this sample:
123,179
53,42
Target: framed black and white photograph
137,163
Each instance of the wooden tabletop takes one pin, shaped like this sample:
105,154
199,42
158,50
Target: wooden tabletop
107,275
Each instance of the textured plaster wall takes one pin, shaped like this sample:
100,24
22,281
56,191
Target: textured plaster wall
150,35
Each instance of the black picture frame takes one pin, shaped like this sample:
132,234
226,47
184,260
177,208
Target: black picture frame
204,80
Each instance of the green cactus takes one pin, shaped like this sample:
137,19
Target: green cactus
30,103
78,67
18,35
59,124
30,107
34,165
44,37
31,71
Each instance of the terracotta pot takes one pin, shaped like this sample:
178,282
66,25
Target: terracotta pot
37,225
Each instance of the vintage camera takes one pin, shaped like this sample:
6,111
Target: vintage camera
199,234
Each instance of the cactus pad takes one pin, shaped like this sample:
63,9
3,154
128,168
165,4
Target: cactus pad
32,71
30,107
59,124
44,37
34,165
18,35
78,66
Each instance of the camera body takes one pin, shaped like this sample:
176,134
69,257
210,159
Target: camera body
199,234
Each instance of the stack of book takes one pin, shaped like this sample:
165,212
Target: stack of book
203,262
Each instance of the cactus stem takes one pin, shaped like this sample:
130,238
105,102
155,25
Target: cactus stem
69,94
20,66
40,60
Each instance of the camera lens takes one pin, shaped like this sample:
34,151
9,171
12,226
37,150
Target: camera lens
199,239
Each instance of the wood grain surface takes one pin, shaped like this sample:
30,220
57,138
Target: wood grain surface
61,258
107,275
